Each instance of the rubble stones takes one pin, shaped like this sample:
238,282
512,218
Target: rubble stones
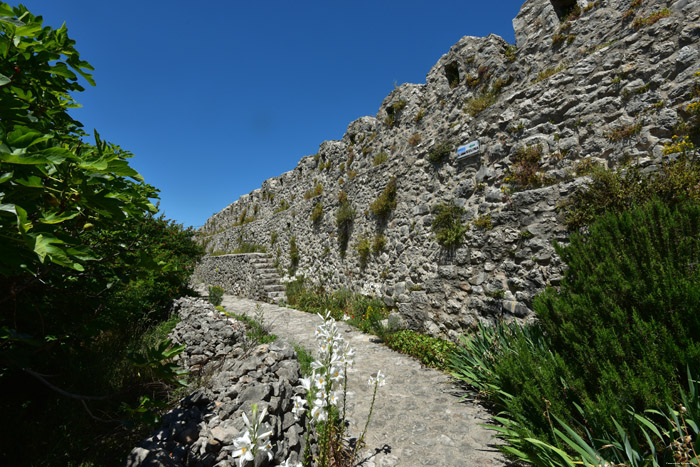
233,376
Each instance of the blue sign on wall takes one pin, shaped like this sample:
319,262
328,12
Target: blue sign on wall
468,149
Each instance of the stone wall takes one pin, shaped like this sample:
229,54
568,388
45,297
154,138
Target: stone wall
233,373
235,273
604,88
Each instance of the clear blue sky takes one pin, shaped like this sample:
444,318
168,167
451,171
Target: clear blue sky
214,97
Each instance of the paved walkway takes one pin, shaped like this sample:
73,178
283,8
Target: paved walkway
418,418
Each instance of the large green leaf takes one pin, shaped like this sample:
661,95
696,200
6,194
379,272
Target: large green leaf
31,181
4,79
54,217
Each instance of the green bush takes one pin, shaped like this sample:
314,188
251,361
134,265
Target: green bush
361,311
386,202
216,295
249,247
317,213
440,152
344,218
86,268
617,336
431,351
380,158
293,255
378,244
525,170
616,191
447,225
363,249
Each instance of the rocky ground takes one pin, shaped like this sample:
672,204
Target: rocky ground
231,374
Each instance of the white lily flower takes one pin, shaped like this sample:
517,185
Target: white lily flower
381,379
318,414
244,449
299,406
305,383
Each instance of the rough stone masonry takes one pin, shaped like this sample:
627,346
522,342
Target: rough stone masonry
586,83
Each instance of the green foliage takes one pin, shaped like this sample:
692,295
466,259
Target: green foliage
480,102
380,158
293,255
363,248
624,132
625,317
216,295
431,351
447,225
362,312
256,331
378,244
483,222
549,72
651,18
284,205
617,191
440,152
525,170
317,191
317,213
510,52
344,219
304,357
386,202
86,270
249,247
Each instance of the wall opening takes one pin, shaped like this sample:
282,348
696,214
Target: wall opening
563,8
452,74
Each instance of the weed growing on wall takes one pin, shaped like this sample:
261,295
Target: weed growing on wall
447,225
440,152
344,218
386,202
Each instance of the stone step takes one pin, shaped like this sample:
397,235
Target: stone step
274,288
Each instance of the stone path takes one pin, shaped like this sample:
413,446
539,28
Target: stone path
418,417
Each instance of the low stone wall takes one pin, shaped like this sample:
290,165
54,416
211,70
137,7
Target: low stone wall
233,375
235,273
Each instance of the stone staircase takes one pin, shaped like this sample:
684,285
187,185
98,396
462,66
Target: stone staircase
269,279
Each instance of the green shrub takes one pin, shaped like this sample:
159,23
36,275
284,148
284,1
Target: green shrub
317,213
386,202
363,312
440,152
616,191
525,170
216,295
249,247
483,222
317,191
378,244
363,248
480,102
431,351
617,336
380,158
447,225
293,255
284,205
344,218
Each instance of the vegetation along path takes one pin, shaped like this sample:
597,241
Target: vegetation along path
418,417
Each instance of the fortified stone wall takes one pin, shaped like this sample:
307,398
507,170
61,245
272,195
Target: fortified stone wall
607,86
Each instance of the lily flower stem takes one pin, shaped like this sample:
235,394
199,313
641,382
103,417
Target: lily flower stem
364,431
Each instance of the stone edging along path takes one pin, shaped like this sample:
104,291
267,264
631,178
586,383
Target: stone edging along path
418,416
